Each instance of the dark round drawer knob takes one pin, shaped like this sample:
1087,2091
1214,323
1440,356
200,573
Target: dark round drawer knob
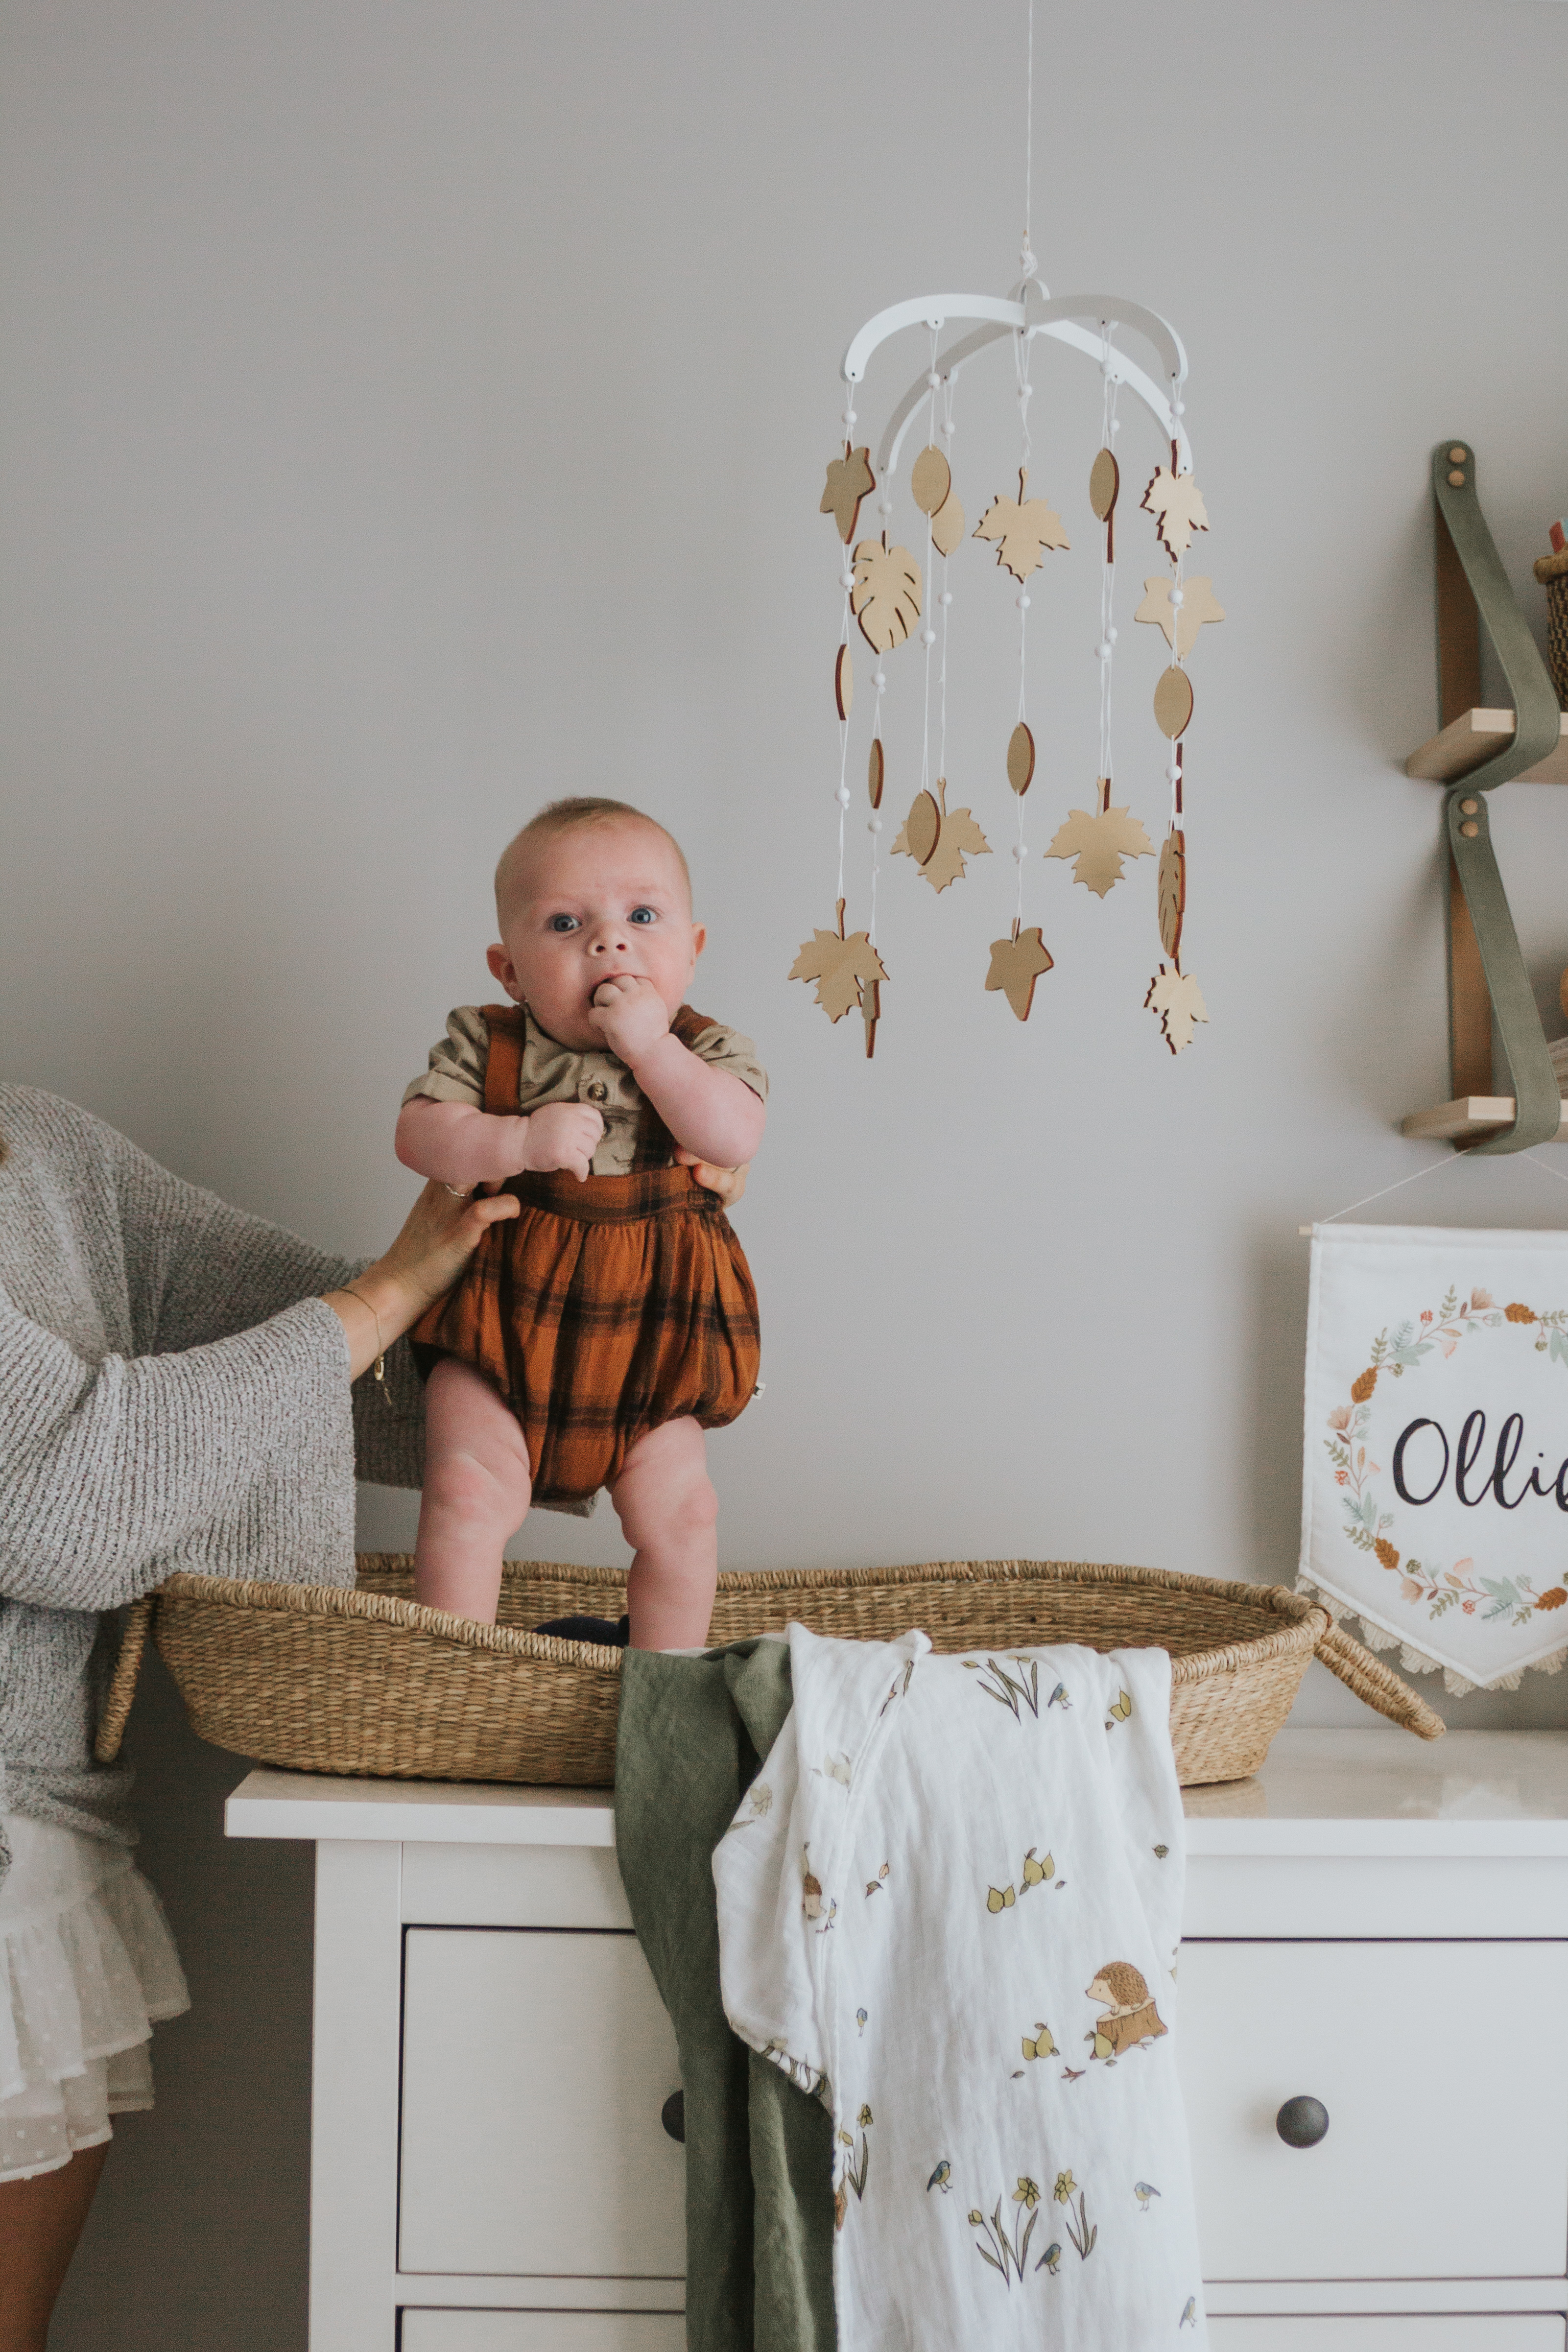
672,2115
1302,2123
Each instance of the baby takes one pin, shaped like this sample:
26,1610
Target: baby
599,1333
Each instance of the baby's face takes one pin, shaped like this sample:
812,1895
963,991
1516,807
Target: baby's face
590,905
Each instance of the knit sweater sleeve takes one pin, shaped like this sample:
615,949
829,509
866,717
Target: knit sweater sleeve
108,1471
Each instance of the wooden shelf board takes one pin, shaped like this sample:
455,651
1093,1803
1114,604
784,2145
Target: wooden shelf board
1455,1122
1474,737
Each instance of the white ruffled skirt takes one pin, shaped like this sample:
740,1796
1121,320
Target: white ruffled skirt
87,1967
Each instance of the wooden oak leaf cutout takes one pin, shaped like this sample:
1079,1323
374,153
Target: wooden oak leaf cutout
1016,964
1199,603
1177,505
885,597
1025,525
1098,843
839,968
849,479
959,838
1176,997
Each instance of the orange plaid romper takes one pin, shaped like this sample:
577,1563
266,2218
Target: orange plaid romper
609,1305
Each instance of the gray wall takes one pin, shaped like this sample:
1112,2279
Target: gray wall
413,410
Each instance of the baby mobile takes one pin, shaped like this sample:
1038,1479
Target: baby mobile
885,593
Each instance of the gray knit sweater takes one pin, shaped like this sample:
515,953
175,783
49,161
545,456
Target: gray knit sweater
174,1393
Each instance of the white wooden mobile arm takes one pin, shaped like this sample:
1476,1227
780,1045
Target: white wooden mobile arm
1009,314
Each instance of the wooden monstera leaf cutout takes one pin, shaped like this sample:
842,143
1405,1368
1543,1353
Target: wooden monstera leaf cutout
885,597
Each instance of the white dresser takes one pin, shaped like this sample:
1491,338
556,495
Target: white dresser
1372,1924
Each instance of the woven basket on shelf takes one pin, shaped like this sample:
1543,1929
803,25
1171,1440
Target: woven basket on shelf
368,1682
1552,571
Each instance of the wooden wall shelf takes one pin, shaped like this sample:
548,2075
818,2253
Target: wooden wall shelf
1474,736
1471,1115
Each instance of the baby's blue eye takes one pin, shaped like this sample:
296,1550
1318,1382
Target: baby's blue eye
643,915
563,922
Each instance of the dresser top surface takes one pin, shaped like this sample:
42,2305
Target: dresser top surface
1344,1792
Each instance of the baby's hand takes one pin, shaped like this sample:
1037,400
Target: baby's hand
628,1014
562,1134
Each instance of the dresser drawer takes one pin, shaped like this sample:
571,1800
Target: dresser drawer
534,2067
1444,2068
1448,2332
567,2331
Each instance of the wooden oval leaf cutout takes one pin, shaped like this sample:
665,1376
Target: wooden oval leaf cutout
922,826
843,681
875,773
947,524
1020,758
931,480
1172,701
1104,481
1172,893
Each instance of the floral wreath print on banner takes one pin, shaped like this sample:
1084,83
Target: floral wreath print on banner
1435,1485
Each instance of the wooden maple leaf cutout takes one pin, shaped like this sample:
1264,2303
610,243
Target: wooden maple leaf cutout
1177,504
839,966
958,837
885,597
1098,844
849,479
1024,526
1016,964
1176,997
1199,603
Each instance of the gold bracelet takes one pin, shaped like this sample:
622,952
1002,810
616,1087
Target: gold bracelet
379,1367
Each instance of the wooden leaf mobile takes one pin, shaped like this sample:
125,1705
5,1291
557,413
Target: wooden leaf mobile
1199,603
947,524
1020,758
1098,843
1016,964
875,773
931,480
1172,701
920,828
958,837
1104,481
1177,505
843,681
841,968
1176,997
1025,525
849,479
1173,892
885,597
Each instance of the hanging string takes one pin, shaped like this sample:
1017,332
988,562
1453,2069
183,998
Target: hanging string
1449,1160
845,582
1022,356
1106,647
1026,256
879,681
928,634
948,429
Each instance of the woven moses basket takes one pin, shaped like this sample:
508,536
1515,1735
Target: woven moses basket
369,1682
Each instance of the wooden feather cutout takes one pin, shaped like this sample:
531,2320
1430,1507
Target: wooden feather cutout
849,479
885,597
931,480
1176,997
1172,701
1098,843
1104,481
1199,603
1024,527
947,524
1017,963
843,681
875,773
1020,758
841,967
1172,894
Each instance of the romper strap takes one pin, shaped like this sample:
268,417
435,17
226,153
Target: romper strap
503,1063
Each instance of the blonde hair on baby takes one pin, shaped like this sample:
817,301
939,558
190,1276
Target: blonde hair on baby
568,816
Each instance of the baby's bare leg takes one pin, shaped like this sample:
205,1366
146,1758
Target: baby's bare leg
476,1492
669,1514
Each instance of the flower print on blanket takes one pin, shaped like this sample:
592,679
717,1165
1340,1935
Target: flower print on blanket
1435,1486
1027,1872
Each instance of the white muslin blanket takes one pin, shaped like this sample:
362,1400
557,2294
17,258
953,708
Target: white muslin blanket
950,1904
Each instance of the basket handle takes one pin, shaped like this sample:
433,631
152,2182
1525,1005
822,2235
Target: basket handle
1378,1685
123,1683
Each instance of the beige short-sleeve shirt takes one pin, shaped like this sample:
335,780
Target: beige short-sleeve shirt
552,1073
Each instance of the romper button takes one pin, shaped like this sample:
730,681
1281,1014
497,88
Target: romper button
598,1091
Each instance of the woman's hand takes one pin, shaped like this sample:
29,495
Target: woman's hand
439,1236
728,1183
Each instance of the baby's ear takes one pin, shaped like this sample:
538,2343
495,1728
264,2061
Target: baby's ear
503,969
699,939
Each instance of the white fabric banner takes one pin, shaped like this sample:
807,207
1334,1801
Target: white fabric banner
1435,1485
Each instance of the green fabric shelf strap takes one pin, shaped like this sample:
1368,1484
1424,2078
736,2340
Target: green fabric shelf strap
1532,1079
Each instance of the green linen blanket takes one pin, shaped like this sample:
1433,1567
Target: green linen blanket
759,2151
